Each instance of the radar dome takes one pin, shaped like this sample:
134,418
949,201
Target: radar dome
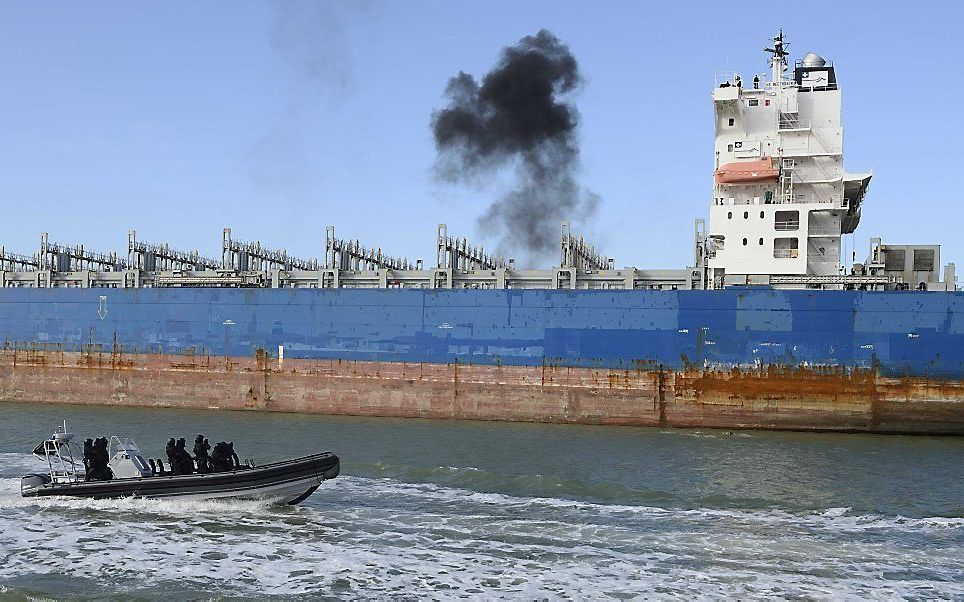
812,59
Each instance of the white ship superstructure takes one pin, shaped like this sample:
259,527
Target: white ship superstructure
781,198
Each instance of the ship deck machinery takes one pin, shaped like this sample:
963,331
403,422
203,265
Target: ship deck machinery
346,264
789,336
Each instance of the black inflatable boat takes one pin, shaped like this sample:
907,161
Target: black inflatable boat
288,481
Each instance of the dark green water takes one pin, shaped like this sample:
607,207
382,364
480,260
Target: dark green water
447,509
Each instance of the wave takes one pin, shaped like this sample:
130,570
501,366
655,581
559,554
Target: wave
830,518
836,519
382,537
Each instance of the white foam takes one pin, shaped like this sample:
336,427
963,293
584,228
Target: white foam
371,537
834,519
17,464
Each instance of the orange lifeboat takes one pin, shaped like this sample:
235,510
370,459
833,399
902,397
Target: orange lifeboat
747,172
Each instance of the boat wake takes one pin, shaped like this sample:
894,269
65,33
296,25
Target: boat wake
368,537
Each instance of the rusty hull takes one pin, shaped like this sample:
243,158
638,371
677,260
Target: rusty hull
768,398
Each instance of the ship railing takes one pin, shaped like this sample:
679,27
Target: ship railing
799,198
791,121
786,253
824,232
809,151
787,226
724,77
831,279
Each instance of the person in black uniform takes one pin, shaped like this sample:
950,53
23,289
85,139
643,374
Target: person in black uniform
184,460
223,457
201,447
99,462
171,450
88,458
235,461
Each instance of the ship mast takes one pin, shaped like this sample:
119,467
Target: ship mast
778,60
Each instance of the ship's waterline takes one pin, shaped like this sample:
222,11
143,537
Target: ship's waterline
771,398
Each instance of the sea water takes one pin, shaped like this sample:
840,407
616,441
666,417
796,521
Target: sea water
444,509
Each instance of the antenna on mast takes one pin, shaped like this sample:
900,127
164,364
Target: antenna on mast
778,62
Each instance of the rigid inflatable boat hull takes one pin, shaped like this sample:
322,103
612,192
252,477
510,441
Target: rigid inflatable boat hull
290,482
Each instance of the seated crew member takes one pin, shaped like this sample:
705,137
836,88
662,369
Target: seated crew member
217,457
88,457
184,460
99,469
171,450
221,458
201,447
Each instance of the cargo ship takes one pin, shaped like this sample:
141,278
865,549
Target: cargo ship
771,327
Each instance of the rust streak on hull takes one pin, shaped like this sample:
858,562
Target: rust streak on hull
768,398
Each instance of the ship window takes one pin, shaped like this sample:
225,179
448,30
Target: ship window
923,260
787,248
729,147
729,215
753,102
746,215
761,215
744,242
761,242
731,121
786,221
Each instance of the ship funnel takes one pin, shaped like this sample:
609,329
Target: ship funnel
812,59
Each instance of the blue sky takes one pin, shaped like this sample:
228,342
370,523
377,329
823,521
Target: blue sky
277,119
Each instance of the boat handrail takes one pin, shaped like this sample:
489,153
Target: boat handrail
115,445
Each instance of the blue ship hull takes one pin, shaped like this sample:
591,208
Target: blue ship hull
917,334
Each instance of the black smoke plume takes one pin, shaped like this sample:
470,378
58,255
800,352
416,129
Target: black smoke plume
520,115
